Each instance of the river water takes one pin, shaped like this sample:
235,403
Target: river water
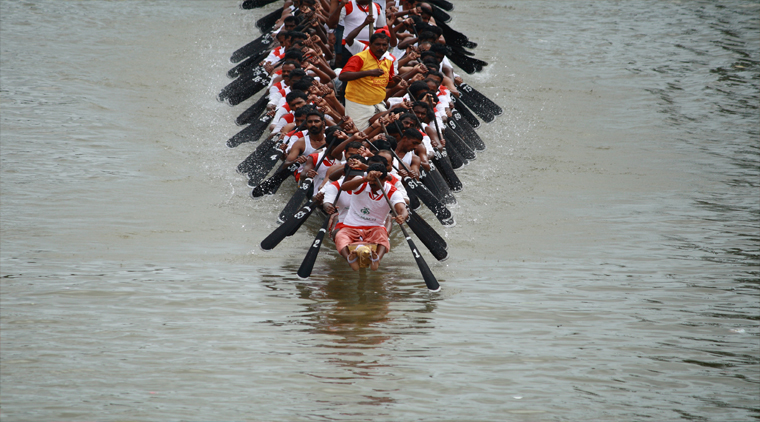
604,266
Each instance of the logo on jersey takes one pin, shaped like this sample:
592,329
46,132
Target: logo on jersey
365,211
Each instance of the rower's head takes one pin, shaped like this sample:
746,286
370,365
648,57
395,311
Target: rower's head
300,81
300,114
388,159
296,99
378,167
423,111
426,11
434,75
287,68
427,38
408,121
418,89
290,23
353,148
432,84
378,44
362,2
315,122
410,139
440,51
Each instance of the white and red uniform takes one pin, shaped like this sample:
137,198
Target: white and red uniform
322,170
352,16
343,202
365,218
276,55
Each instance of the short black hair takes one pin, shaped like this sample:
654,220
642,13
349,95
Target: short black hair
303,84
296,93
378,167
412,133
378,35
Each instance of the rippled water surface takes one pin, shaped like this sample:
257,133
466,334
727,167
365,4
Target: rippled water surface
604,266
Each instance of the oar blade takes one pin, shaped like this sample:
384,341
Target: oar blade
281,232
254,4
295,201
432,241
430,281
307,265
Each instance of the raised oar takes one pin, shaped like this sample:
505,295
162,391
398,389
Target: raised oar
251,133
476,95
439,15
465,112
455,38
253,112
427,275
253,4
256,46
281,232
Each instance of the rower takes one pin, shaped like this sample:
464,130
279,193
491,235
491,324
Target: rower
363,236
310,142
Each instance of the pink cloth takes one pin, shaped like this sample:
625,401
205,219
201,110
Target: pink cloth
348,235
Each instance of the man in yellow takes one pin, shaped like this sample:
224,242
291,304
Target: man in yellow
366,75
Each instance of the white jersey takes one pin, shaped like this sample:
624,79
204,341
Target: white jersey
352,15
343,202
369,209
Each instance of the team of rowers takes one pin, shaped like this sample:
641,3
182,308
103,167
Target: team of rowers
359,95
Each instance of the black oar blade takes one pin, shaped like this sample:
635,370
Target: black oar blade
427,275
443,4
492,107
465,112
256,46
281,232
247,65
250,163
254,4
432,241
304,271
476,106
435,205
262,167
453,139
253,112
266,23
440,16
271,185
295,201
443,165
251,133
247,91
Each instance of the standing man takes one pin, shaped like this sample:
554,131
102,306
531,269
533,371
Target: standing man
367,75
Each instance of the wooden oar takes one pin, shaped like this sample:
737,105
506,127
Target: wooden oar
251,133
438,159
427,275
455,158
256,46
465,112
462,127
253,4
429,237
247,64
453,139
281,232
476,106
253,112
305,187
252,160
304,271
237,97
267,23
476,95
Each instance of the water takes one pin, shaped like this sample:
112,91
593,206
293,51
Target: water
604,265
